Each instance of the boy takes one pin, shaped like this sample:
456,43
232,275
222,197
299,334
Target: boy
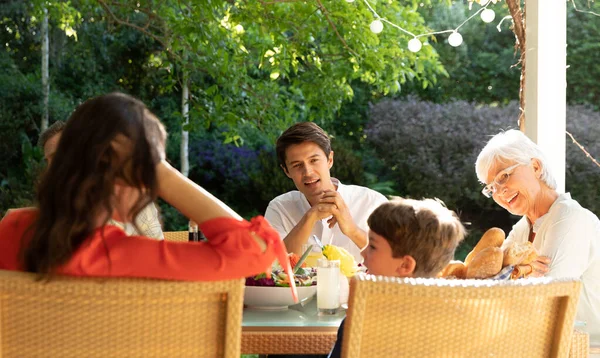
409,238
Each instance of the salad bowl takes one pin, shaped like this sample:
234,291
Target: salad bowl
272,290
274,297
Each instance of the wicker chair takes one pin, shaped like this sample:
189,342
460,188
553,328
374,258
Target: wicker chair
176,235
391,317
91,317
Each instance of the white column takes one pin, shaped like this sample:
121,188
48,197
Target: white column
546,80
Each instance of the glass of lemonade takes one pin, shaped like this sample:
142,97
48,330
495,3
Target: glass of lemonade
328,286
314,255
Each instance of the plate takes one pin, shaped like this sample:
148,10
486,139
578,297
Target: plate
275,298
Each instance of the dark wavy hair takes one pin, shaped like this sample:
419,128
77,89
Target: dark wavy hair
78,186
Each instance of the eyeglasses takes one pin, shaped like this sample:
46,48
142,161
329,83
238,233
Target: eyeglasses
500,179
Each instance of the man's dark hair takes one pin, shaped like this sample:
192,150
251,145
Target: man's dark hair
50,132
300,133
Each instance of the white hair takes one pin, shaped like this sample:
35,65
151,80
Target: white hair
512,146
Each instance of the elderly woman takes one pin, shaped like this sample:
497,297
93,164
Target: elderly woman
566,235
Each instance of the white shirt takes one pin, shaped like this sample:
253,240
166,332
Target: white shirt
570,236
147,221
285,212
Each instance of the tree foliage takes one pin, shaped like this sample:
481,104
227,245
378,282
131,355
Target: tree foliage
269,62
582,50
256,66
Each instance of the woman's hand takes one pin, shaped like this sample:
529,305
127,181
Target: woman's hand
539,267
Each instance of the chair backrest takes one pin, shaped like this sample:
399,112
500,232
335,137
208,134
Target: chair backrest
176,235
392,317
92,317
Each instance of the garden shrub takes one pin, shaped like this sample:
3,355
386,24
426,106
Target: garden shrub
582,175
347,163
224,170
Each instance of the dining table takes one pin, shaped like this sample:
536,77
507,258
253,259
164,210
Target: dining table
299,329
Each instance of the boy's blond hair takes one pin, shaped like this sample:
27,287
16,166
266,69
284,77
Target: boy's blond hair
424,229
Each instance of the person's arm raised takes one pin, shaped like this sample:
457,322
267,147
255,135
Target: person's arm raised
199,205
192,200
300,233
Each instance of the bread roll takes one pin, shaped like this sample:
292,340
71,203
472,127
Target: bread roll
494,237
455,269
519,253
531,256
521,271
486,263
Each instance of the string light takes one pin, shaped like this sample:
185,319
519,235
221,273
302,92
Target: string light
501,21
376,26
414,45
455,39
488,15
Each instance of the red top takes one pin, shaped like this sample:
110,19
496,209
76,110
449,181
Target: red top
229,253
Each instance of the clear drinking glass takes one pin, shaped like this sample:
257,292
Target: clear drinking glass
328,286
314,255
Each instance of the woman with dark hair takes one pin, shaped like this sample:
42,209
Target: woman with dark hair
111,159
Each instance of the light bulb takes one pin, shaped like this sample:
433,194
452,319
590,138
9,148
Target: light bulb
455,39
376,26
414,45
488,15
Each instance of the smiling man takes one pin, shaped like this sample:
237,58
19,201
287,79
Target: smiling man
322,205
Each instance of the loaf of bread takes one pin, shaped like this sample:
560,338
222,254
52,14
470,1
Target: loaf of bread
486,263
494,237
455,269
519,253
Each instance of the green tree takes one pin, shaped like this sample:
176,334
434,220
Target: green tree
483,68
273,63
583,30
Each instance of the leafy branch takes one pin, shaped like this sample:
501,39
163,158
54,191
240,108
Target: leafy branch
337,33
143,29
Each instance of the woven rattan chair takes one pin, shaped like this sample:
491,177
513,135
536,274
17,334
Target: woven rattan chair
391,317
176,235
90,317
